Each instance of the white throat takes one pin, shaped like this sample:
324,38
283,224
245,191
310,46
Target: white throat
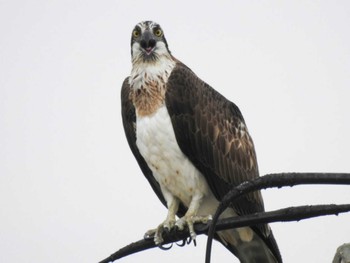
143,73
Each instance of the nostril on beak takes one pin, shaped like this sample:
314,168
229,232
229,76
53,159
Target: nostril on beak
151,43
148,43
143,44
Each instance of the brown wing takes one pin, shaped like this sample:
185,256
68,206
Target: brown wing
211,132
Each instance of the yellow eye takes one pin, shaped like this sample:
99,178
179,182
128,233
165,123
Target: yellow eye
158,32
136,33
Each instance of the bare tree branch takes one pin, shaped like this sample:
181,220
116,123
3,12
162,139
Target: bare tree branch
286,214
267,181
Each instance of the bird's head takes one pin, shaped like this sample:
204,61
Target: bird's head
148,43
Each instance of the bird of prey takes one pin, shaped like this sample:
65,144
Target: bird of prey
192,144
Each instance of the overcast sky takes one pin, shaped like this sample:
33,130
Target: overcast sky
70,189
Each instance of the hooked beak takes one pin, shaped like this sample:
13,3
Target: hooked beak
147,42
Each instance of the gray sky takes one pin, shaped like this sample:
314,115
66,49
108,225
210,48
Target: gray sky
70,189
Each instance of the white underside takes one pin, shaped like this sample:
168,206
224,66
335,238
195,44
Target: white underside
174,172
177,176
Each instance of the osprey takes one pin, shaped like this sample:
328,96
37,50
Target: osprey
192,144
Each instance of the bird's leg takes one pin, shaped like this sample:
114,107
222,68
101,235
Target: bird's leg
168,224
191,217
173,206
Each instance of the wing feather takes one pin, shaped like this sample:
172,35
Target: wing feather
211,131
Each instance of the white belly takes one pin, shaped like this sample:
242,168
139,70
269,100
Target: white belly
171,168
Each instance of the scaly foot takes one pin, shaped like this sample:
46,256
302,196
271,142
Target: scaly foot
157,234
189,221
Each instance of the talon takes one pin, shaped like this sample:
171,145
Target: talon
169,225
181,244
165,248
158,239
166,230
189,221
157,234
194,242
181,223
193,233
149,234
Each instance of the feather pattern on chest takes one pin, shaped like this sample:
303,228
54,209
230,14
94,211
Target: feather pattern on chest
171,168
148,85
155,135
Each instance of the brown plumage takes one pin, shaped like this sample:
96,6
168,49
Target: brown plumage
211,132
